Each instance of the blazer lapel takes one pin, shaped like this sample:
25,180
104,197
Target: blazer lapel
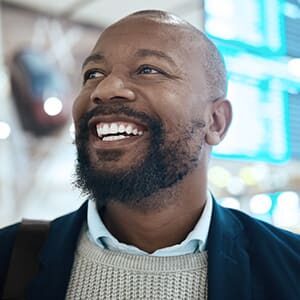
228,260
57,257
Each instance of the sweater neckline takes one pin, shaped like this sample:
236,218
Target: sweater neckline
143,263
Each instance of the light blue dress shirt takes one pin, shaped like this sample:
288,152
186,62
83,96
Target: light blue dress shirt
194,242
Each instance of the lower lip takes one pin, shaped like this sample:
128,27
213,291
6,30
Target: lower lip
99,144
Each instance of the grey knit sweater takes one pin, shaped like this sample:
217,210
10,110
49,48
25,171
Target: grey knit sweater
105,274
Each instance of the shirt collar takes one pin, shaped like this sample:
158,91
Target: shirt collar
195,240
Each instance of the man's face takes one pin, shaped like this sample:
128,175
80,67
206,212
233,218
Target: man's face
140,115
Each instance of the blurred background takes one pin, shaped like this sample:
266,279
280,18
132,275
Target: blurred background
42,45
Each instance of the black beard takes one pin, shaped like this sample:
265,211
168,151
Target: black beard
165,164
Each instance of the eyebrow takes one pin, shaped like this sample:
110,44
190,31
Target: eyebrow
155,53
96,57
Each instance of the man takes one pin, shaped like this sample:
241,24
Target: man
151,107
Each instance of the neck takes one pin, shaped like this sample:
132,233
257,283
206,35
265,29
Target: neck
163,226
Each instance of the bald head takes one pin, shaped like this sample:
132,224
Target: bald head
211,59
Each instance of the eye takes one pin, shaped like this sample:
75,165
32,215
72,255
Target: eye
148,70
92,74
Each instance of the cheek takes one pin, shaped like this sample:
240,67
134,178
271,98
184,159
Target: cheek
175,110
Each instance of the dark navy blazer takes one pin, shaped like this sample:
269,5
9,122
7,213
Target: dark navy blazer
247,259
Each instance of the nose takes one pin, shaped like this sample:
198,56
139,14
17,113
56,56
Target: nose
110,88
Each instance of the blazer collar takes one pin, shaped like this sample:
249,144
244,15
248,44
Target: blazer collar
228,260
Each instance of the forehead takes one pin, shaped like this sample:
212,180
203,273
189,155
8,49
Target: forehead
127,36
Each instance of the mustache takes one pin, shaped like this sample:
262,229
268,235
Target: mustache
118,109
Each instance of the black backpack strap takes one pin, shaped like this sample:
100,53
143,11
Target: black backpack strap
24,258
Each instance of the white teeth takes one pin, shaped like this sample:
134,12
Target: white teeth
114,128
121,128
99,131
114,138
105,129
129,129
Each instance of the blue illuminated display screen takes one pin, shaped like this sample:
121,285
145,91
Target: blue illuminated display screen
250,36
252,24
259,128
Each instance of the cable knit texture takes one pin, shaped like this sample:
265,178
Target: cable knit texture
105,274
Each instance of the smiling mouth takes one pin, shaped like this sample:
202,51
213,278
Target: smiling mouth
112,131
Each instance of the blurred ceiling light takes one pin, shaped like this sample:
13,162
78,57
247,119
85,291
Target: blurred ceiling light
294,67
286,213
260,204
235,186
231,202
4,130
248,176
53,106
288,199
219,176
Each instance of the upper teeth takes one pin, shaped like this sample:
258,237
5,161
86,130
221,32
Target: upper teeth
117,127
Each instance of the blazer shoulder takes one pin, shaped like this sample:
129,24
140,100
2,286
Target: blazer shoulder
275,256
61,228
7,238
270,246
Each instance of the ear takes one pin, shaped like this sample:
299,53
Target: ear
219,121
